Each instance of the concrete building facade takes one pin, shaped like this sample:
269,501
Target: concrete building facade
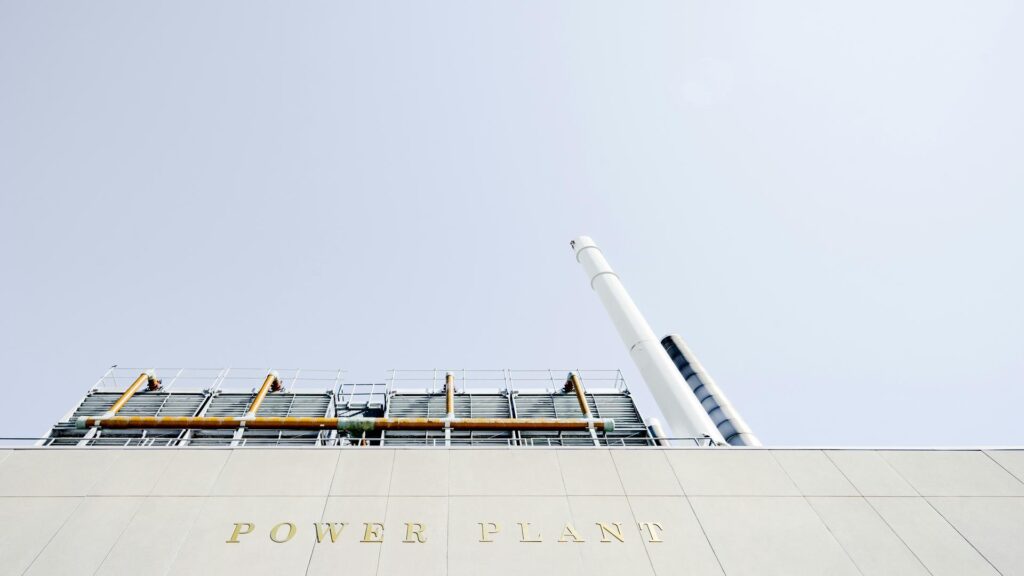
515,510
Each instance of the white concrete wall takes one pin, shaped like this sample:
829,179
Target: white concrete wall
723,511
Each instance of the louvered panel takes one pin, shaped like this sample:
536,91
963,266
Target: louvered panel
290,405
152,404
629,427
95,404
415,406
222,405
143,403
481,406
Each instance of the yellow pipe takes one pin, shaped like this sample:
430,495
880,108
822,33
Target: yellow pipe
449,391
120,402
580,394
267,382
351,424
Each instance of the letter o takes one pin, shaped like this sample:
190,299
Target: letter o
274,530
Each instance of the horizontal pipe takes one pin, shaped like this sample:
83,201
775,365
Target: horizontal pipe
350,424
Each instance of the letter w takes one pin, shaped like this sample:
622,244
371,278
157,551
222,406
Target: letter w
335,529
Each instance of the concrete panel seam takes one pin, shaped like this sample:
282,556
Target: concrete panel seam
647,551
323,512
49,541
199,513
875,510
959,533
142,500
817,515
1000,464
692,510
387,502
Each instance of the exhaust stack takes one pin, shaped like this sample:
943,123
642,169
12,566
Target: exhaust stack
722,413
683,413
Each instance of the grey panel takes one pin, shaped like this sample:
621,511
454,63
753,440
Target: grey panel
139,550
732,472
630,429
1011,460
82,543
763,536
348,555
205,550
276,471
867,539
31,523
813,473
467,405
994,526
143,403
505,472
932,539
684,549
233,404
63,472
954,473
296,405
222,405
869,473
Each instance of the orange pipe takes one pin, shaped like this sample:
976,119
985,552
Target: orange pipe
449,391
580,394
357,424
267,383
123,399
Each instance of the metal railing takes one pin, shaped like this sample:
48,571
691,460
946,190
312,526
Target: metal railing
347,442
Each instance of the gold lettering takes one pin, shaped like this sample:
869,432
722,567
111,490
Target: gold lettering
414,529
488,529
650,530
373,532
524,527
570,532
606,531
333,528
248,527
291,532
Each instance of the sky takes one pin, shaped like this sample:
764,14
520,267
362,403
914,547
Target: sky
826,200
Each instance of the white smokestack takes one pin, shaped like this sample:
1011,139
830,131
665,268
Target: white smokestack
683,413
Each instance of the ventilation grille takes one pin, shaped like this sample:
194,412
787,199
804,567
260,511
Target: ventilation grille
434,405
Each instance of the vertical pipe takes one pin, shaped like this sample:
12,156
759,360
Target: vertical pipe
682,411
449,392
146,376
654,427
574,379
267,383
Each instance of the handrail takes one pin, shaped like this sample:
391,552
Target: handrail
345,424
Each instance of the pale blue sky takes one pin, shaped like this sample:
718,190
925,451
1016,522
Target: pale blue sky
824,199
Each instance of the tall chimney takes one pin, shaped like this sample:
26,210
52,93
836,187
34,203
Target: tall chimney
683,413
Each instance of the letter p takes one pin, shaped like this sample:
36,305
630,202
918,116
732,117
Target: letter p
241,528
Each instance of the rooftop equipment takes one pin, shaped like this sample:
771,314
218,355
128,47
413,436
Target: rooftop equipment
217,407
683,413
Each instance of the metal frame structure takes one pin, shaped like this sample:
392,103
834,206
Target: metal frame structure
317,408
